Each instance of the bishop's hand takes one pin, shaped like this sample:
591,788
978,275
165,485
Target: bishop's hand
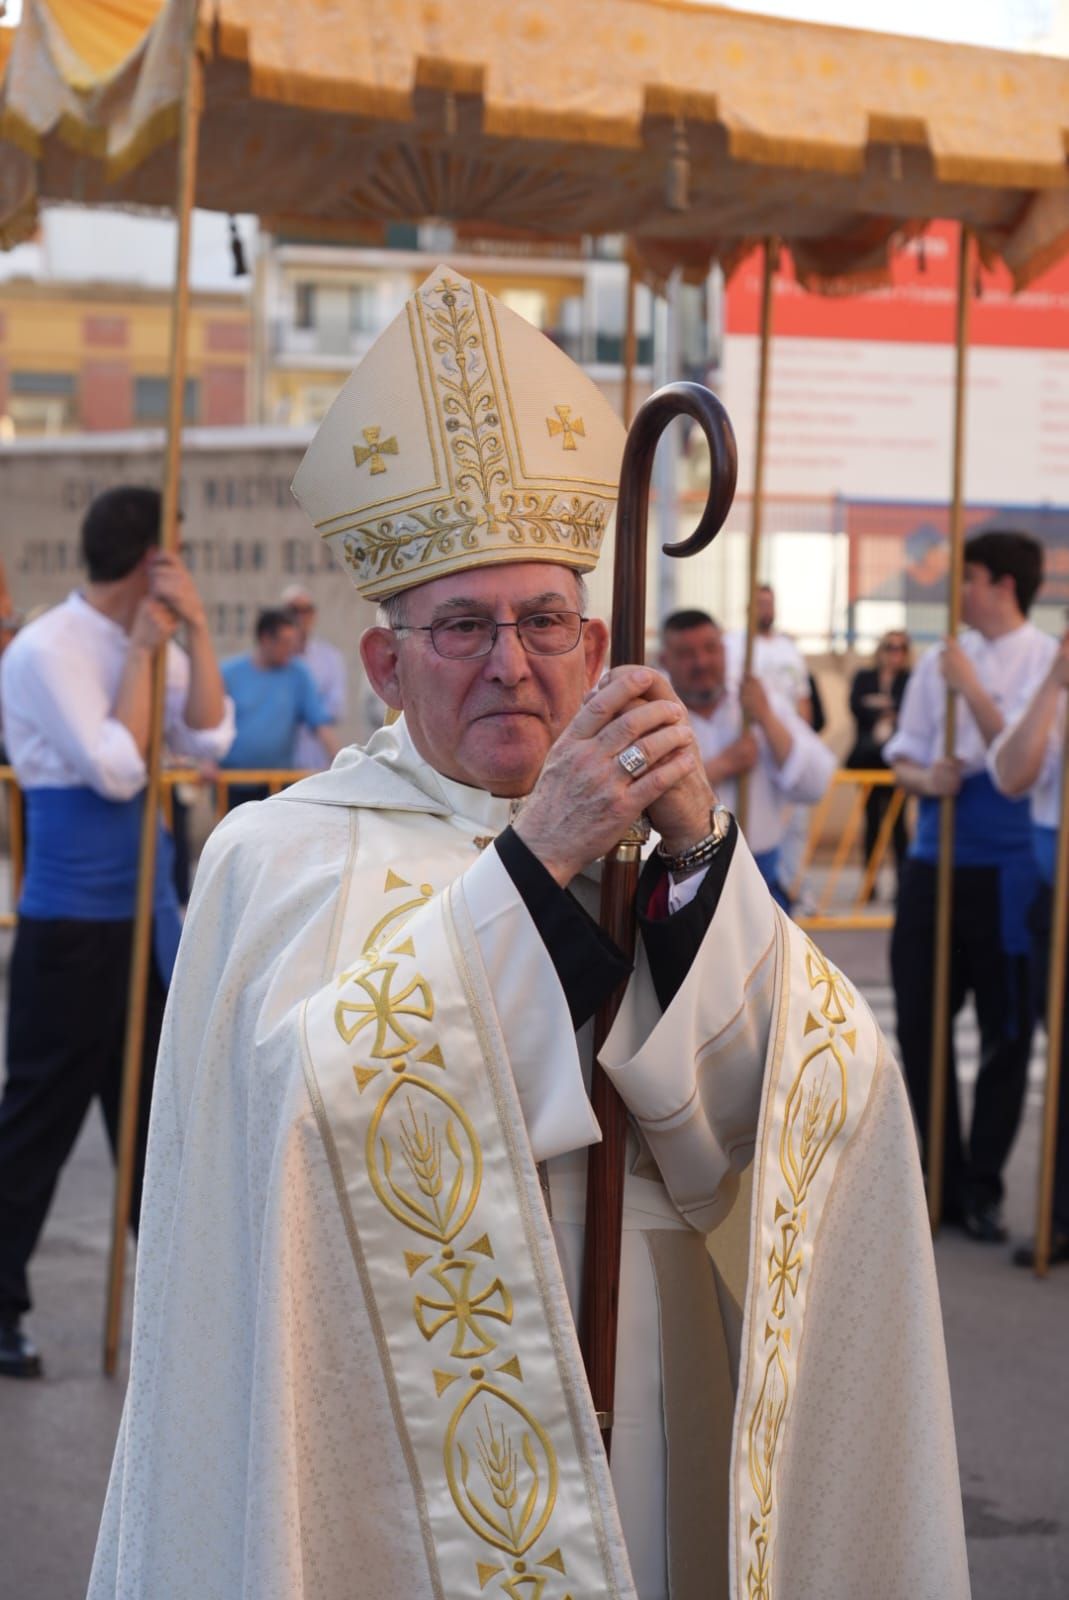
585,799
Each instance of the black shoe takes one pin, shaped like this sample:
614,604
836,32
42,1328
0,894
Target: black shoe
1025,1254
983,1222
19,1356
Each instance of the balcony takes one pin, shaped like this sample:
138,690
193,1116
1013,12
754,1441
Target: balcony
329,346
322,345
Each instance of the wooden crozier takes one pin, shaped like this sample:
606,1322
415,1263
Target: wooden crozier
605,1172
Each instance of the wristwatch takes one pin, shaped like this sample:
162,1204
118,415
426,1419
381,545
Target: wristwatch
700,854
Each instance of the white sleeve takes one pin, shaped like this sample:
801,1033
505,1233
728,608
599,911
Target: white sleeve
1052,756
795,661
692,1075
681,894
914,739
199,744
810,765
532,1010
59,691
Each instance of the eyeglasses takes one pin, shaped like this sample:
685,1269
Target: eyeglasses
543,633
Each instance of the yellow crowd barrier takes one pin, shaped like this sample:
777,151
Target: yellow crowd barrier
220,783
837,908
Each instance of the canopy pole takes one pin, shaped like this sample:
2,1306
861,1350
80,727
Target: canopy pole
757,503
937,1086
627,399
192,103
1055,1027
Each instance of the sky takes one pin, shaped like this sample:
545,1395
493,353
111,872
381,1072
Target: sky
1000,23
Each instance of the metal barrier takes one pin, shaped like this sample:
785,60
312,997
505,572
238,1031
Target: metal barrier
857,914
222,784
273,780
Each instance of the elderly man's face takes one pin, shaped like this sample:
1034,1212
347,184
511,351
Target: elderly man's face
487,721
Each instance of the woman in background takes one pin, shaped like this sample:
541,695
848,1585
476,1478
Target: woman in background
875,697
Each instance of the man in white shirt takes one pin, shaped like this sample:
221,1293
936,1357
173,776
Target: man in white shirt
329,674
781,667
990,667
76,693
783,756
777,660
1026,758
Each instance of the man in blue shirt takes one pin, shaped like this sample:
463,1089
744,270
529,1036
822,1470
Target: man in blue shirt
274,696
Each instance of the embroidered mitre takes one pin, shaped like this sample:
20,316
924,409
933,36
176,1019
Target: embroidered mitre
464,438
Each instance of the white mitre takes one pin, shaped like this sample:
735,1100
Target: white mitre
464,438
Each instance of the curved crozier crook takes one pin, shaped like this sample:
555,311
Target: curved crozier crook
629,574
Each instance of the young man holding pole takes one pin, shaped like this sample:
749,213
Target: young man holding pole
1027,759
75,689
362,1240
989,667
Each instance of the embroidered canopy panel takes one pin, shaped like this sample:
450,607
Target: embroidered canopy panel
692,129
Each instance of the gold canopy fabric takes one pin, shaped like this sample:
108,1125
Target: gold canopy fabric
692,129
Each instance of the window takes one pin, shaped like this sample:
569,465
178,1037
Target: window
56,385
43,402
362,308
402,236
530,304
150,400
304,305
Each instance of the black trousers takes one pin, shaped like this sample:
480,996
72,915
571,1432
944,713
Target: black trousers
1040,920
65,1029
1000,987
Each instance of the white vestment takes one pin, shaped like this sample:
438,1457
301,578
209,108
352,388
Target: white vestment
354,1368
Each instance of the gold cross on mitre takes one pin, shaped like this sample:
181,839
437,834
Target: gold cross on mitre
376,448
564,423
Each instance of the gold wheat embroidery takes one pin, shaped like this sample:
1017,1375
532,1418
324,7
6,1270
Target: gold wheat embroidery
424,1164
814,1116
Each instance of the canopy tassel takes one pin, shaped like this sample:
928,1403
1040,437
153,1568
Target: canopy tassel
677,187
450,115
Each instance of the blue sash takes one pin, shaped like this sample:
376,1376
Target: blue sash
767,863
990,830
81,864
1045,849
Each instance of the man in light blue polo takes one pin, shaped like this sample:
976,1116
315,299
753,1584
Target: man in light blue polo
274,696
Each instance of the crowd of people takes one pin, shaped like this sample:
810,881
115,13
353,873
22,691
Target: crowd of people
75,715
514,735
511,734
1008,677
75,692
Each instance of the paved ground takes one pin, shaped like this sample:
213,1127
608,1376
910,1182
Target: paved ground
1007,1336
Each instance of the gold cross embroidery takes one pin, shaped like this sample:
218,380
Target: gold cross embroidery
377,447
784,1268
384,1010
564,423
467,1310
